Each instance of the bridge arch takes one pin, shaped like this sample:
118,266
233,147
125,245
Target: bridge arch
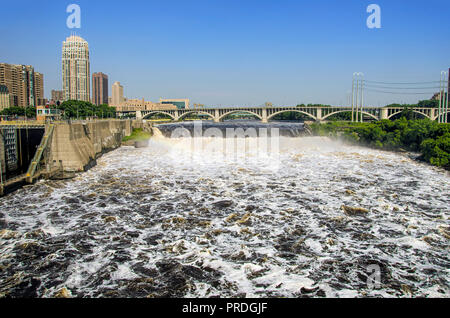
414,111
239,111
346,111
290,111
196,112
146,116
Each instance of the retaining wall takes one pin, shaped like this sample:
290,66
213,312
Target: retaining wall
76,146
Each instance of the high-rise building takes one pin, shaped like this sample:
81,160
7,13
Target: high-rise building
25,86
117,95
99,88
57,96
39,89
76,69
4,97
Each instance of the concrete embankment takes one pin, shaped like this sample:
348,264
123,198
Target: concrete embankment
76,146
68,148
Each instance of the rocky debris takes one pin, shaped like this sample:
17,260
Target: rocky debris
352,211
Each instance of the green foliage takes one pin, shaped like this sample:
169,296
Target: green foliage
138,134
428,103
19,111
81,109
428,137
432,103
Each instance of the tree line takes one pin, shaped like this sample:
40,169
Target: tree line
429,138
71,109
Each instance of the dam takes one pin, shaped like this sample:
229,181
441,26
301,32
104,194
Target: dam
53,149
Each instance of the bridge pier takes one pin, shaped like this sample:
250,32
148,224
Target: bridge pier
138,114
433,113
264,116
384,113
216,116
319,114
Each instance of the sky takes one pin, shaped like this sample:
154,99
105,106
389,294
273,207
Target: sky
238,52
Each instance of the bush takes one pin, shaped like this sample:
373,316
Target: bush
428,137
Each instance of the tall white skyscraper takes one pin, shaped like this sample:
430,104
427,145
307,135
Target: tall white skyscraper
76,69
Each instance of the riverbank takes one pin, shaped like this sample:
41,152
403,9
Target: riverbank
138,134
428,138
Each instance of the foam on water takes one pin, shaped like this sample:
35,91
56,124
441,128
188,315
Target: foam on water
149,222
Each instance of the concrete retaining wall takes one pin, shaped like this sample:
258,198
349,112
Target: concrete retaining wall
76,146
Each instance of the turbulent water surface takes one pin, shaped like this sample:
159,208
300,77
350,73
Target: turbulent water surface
165,221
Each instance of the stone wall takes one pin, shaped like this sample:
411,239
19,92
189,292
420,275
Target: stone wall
76,146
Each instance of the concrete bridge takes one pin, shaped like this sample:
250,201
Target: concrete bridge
265,114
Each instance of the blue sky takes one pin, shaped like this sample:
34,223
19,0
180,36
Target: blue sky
237,52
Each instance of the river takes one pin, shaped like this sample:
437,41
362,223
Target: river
170,221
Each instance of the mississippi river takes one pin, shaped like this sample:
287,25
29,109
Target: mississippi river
325,220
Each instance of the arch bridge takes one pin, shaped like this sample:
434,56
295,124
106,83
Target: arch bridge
316,113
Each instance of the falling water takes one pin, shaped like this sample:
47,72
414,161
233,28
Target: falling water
163,221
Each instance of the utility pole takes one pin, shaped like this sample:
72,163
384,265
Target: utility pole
357,96
362,101
443,98
445,83
353,97
446,103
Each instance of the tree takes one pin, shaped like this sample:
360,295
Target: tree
20,111
82,109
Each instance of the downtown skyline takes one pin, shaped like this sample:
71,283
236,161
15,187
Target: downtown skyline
230,54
